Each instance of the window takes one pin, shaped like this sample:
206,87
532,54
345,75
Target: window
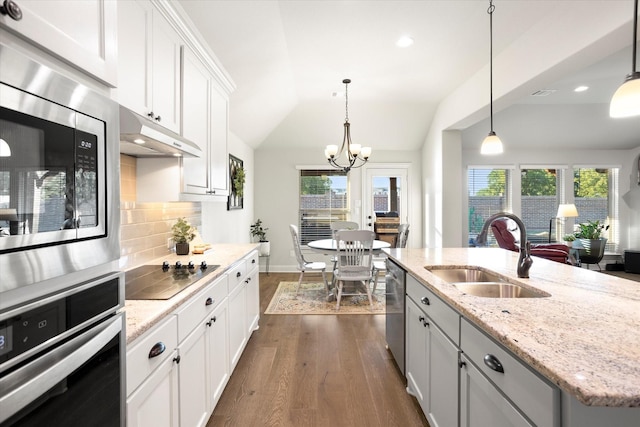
488,194
539,203
594,192
324,196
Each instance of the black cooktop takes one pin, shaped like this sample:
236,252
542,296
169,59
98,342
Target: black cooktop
161,282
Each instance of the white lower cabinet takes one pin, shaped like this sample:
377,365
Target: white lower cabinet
244,305
195,349
192,369
218,353
237,322
443,384
481,404
253,295
461,376
431,356
417,354
152,378
155,402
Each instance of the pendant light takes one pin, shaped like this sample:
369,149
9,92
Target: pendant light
356,154
491,144
626,100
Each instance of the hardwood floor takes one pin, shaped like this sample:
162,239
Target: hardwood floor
315,370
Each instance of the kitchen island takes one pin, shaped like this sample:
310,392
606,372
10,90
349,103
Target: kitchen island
583,338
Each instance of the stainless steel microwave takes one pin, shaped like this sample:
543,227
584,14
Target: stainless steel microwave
59,174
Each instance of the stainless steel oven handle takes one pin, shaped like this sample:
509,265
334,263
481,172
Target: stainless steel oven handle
26,384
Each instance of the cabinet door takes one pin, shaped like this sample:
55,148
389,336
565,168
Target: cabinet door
237,321
155,402
165,59
417,354
193,378
443,379
481,404
253,300
218,353
219,135
81,33
134,55
196,113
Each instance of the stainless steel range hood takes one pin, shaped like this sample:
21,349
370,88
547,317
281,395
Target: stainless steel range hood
141,137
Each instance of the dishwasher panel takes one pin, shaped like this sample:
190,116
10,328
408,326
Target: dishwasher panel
395,317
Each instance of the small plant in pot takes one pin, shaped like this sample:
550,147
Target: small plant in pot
182,233
257,230
589,241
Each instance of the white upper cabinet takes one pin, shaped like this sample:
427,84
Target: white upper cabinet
205,122
149,63
81,33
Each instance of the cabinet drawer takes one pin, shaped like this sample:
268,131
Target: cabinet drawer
237,274
205,301
538,399
440,313
252,262
139,362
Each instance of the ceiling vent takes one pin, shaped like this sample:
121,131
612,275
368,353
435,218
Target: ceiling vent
543,92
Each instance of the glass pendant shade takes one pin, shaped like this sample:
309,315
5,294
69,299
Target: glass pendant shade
5,150
626,100
491,145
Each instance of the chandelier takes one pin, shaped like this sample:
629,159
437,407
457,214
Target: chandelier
356,154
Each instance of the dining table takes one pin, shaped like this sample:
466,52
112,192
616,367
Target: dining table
329,247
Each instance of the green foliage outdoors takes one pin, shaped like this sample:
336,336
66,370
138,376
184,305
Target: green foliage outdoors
591,183
541,182
538,182
496,184
315,185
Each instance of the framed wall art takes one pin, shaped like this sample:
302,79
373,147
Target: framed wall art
236,184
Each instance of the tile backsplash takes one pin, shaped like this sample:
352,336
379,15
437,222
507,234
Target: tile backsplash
146,227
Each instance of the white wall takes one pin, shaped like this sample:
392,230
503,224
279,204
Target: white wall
277,189
536,58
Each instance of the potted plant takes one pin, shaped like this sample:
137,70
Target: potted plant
588,241
182,233
257,230
569,239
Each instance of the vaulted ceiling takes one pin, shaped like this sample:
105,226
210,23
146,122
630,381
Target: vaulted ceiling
288,59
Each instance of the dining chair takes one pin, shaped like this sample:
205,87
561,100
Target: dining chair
355,262
303,264
379,263
341,225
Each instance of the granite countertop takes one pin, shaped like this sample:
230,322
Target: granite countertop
144,314
585,337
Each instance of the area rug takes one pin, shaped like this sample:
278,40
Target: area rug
312,299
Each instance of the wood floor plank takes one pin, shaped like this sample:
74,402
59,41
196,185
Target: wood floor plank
317,371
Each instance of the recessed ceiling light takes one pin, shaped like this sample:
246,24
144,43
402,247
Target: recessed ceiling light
139,141
404,41
581,88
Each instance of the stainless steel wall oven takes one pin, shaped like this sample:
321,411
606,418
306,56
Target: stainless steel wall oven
59,174
62,358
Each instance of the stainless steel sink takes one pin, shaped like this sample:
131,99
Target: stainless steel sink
483,283
498,290
464,275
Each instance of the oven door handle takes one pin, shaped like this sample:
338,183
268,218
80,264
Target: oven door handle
26,384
